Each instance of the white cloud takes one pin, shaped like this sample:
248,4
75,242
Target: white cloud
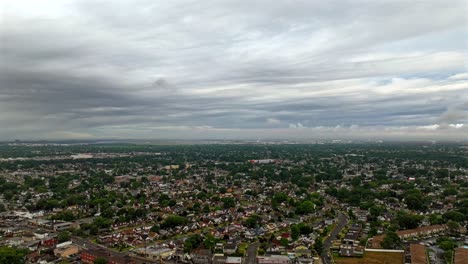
459,76
431,127
457,126
296,125
181,66
273,121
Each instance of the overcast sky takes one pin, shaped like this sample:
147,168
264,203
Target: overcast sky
234,69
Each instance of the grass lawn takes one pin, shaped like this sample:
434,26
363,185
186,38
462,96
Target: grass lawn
243,247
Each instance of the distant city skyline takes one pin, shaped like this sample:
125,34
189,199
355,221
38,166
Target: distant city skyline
301,70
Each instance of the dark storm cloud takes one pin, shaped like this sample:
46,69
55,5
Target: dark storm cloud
233,69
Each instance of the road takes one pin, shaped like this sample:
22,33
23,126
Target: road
327,243
252,253
438,255
84,243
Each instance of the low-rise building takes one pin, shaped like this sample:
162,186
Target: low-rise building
66,251
233,260
62,226
302,252
278,259
230,247
90,255
411,233
201,256
219,259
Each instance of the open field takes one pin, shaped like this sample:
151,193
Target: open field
373,258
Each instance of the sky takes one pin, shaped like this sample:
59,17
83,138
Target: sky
217,69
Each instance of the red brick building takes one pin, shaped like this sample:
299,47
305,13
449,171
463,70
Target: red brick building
49,241
88,257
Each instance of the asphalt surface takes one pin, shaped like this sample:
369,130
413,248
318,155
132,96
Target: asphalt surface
251,254
327,243
438,255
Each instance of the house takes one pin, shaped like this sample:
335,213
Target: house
15,241
201,256
422,231
62,226
277,259
351,239
28,236
350,243
49,241
351,251
410,233
305,261
219,259
230,247
33,244
233,260
156,252
302,251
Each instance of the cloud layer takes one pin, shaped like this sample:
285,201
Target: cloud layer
231,69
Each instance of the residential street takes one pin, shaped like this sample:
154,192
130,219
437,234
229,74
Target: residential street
342,221
252,253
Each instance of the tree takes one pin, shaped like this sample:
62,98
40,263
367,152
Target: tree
435,219
284,242
279,197
173,221
63,236
453,226
102,222
442,173
8,195
155,228
454,216
305,229
408,221
306,207
446,243
100,260
318,245
391,241
12,255
209,242
450,191
414,199
192,242
375,211
295,232
228,202
252,221
222,189
188,246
